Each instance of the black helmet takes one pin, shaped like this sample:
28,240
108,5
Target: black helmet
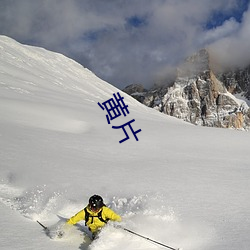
96,202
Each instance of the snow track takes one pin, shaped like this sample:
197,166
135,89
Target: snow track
144,214
32,203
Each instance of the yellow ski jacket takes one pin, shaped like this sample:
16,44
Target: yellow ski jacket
94,223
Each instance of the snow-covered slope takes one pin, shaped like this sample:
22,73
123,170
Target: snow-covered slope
179,184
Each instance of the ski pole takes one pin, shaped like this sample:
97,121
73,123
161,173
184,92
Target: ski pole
146,238
45,228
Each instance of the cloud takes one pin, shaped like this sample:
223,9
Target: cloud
233,49
121,41
228,28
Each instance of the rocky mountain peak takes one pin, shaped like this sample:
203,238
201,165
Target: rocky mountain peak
196,64
200,96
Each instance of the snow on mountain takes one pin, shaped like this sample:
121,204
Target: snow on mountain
179,184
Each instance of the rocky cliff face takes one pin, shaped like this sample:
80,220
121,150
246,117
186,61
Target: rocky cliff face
199,96
237,81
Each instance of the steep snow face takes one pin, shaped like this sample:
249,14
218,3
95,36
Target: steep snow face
39,76
179,184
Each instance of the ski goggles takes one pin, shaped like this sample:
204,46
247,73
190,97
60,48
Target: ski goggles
94,208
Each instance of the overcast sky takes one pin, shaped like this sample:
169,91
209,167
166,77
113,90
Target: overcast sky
131,41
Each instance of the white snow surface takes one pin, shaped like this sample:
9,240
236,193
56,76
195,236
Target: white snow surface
182,185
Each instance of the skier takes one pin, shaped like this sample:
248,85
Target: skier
95,214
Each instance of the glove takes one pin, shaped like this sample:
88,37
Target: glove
60,234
